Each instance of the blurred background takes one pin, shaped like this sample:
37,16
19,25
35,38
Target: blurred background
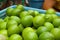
40,4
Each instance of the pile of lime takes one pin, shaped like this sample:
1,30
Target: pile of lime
21,24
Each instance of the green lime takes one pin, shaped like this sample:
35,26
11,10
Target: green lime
49,26
41,29
1,20
48,18
29,34
17,19
15,37
50,11
11,22
9,11
4,32
3,25
38,21
33,13
54,16
28,29
21,7
46,36
56,33
56,22
15,12
21,27
2,37
27,21
43,15
59,26
6,19
23,14
30,12
13,29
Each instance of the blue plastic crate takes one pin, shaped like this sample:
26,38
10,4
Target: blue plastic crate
3,12
36,3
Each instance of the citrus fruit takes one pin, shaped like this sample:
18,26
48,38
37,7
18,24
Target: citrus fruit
33,13
50,11
3,25
21,7
17,19
29,34
15,12
4,32
27,21
41,29
59,26
9,11
13,29
1,20
56,22
38,21
2,37
11,22
28,29
23,14
43,15
49,26
46,36
54,16
30,12
48,18
15,37
56,33
6,19
21,27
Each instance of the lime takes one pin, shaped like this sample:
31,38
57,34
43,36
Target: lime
21,27
46,36
28,29
41,29
15,12
6,19
21,7
27,21
11,22
3,25
23,14
49,26
13,29
15,37
43,15
2,37
54,16
56,33
59,26
17,19
48,18
56,22
38,21
31,34
50,11
4,32
30,12
1,20
9,11
33,13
